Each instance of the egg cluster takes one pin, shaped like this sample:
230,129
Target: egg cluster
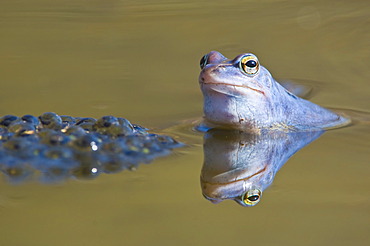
53,148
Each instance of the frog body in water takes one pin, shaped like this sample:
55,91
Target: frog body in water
242,94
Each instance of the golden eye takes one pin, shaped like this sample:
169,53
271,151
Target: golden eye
203,61
252,197
249,64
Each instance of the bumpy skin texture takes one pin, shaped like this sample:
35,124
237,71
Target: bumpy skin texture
234,99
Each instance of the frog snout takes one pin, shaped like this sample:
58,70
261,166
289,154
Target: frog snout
212,57
215,57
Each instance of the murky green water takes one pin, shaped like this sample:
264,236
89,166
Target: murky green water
139,60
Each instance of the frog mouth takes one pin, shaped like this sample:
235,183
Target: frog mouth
226,84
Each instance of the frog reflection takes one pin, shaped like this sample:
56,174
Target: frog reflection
240,166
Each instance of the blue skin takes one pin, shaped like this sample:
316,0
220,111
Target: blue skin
237,163
255,102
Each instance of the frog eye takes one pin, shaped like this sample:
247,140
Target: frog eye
203,61
251,197
249,64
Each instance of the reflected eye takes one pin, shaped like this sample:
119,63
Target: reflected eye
203,61
249,64
252,197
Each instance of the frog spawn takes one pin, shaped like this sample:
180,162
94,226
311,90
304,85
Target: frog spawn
54,148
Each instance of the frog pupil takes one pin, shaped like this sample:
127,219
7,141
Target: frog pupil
253,198
251,63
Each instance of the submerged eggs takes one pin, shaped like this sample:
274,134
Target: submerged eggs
55,147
